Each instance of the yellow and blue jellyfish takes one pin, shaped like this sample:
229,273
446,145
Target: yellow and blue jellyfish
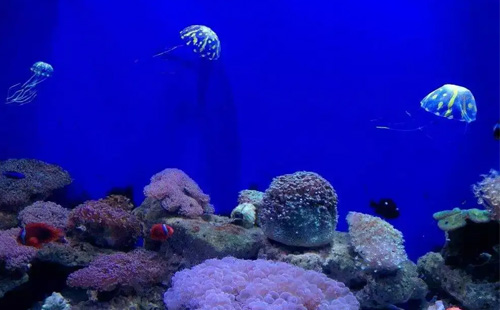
25,93
451,101
202,39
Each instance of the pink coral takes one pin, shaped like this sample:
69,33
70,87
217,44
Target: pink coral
231,283
178,193
138,269
487,193
45,212
14,255
378,243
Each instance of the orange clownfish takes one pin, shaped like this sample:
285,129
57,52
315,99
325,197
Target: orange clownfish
161,232
37,234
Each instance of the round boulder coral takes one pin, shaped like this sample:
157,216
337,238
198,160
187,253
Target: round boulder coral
299,209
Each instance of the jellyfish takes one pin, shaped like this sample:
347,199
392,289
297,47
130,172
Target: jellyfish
25,93
202,39
449,101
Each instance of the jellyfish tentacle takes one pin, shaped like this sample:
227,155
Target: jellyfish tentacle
169,50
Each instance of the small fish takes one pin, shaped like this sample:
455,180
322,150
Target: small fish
496,131
139,243
13,175
386,208
161,232
37,234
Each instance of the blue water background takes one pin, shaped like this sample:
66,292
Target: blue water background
300,86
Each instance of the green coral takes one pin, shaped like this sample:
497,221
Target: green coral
456,218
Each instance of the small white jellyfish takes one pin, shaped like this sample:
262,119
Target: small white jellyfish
22,94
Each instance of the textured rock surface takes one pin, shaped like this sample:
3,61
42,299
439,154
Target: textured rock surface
472,294
197,239
299,209
71,254
40,180
340,262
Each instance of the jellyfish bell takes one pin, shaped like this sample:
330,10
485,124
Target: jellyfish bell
449,101
203,40
42,69
22,94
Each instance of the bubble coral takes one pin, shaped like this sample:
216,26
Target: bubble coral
487,192
378,243
138,269
105,225
231,283
299,209
178,193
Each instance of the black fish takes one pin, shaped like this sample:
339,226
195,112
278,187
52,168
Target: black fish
386,208
253,186
496,131
13,175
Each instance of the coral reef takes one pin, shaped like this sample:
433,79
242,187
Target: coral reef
40,180
105,225
44,212
232,283
487,192
250,196
378,243
138,269
178,193
299,209
197,240
56,302
471,293
341,263
15,260
449,220
244,215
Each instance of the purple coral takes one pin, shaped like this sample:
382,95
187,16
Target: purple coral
105,225
178,193
299,209
40,179
378,243
487,192
231,283
45,212
138,269
15,256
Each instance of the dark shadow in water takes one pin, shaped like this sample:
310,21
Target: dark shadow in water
45,278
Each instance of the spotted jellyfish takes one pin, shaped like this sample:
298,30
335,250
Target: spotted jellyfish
448,101
201,39
22,94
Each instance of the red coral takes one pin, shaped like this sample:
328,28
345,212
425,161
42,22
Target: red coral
178,193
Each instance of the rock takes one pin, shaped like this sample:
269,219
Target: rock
71,254
340,262
197,240
471,293
40,180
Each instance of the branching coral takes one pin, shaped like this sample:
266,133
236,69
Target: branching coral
178,193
